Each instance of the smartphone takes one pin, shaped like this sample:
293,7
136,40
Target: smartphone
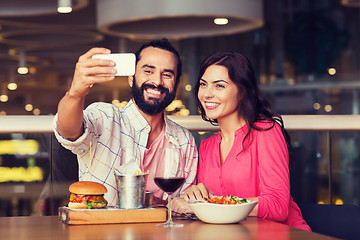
124,62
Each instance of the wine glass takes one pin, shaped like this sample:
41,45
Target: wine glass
169,176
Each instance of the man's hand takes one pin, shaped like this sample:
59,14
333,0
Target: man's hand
197,192
89,71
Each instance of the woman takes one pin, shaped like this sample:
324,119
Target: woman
250,156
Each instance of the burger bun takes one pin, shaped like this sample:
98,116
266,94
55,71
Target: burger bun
99,205
74,205
87,188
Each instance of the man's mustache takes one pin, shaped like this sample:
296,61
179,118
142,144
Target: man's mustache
160,87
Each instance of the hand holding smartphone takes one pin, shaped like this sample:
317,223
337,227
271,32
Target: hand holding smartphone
124,62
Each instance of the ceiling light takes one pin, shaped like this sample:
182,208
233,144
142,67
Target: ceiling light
115,97
4,98
22,69
36,111
64,6
12,52
32,70
178,103
317,106
339,202
184,112
221,21
135,19
29,107
115,102
12,84
331,71
32,8
328,108
123,104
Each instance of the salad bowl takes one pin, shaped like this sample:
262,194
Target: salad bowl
219,213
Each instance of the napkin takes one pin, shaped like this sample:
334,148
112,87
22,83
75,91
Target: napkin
129,168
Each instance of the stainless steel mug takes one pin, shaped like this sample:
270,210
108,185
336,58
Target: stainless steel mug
131,190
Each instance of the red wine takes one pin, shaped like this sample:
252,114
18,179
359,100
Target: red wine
169,185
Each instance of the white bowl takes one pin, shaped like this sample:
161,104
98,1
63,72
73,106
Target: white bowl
221,213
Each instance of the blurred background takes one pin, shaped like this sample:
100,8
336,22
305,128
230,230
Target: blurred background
306,55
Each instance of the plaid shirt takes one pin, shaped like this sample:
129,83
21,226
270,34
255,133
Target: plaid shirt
108,129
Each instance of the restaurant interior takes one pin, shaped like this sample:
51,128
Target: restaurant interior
306,55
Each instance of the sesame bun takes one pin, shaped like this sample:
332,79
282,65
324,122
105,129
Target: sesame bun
87,188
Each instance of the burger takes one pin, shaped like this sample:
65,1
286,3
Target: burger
87,195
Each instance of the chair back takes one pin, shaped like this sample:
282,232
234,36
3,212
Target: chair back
341,221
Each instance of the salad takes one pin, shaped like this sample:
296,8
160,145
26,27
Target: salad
227,200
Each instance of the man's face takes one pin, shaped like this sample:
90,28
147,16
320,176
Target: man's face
153,85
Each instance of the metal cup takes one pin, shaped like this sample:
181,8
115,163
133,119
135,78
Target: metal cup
149,197
131,190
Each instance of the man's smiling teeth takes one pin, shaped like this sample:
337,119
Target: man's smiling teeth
212,104
153,91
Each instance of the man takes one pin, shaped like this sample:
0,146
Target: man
99,134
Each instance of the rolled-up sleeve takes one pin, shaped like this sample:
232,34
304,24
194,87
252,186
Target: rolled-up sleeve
92,129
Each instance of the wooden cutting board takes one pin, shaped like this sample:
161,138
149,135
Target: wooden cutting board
111,215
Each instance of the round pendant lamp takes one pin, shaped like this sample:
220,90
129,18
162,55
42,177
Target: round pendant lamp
174,19
27,8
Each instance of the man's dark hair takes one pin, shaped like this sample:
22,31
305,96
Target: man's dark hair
165,45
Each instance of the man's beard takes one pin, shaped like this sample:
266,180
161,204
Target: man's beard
154,106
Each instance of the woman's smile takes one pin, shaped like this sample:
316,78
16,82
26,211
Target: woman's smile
211,105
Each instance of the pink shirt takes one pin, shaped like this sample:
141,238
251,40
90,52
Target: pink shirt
261,170
150,163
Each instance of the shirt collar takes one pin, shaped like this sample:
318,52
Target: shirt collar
238,132
241,130
138,121
170,131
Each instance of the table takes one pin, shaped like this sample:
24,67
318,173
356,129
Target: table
49,227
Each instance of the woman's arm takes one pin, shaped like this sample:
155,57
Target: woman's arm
273,202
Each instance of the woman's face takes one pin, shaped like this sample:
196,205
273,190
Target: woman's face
218,94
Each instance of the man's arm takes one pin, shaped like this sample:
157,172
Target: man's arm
70,116
88,71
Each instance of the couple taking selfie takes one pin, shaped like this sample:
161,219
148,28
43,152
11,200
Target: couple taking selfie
248,158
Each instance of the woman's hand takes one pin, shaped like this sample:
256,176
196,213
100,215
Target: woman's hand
197,192
179,205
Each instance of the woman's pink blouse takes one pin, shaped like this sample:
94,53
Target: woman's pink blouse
261,170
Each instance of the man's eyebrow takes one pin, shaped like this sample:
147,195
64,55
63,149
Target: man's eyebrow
148,66
170,71
153,67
